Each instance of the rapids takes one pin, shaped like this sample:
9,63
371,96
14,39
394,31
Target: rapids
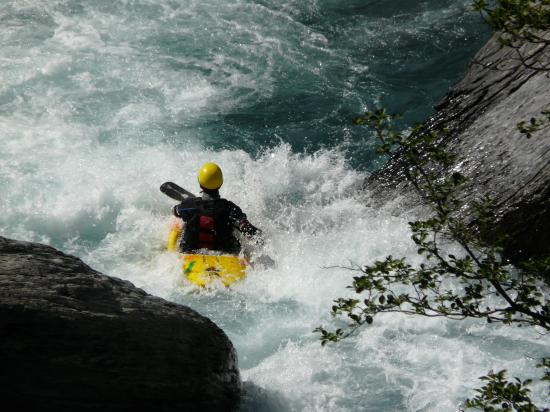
101,102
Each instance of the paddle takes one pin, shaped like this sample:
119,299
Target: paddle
175,192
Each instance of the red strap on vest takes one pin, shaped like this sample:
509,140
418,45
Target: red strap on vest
206,232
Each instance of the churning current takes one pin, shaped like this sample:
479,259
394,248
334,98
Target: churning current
101,102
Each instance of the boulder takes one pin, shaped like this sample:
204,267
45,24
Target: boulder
73,339
481,113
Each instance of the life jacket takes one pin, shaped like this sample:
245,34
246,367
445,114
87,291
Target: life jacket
209,227
207,233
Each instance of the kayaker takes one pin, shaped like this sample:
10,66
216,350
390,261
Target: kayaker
210,220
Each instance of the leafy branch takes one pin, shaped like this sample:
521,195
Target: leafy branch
393,285
527,128
517,21
476,284
480,271
500,394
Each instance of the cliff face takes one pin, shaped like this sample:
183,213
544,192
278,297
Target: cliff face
481,113
74,339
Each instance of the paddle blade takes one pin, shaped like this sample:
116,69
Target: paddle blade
175,192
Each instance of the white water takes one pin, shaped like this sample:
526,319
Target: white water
98,107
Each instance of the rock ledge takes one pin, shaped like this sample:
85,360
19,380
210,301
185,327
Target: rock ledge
74,339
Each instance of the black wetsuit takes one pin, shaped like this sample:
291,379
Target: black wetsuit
210,221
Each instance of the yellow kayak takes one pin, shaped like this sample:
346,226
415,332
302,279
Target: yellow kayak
202,269
205,269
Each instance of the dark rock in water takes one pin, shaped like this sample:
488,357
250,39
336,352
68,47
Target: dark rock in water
481,113
73,339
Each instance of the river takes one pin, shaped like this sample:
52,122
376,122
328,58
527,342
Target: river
101,102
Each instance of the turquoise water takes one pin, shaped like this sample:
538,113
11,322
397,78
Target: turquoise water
101,102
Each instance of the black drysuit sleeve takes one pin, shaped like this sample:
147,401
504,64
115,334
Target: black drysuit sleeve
238,219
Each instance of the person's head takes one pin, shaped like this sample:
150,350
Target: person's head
210,177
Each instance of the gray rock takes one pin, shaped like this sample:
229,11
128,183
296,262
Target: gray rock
73,339
481,113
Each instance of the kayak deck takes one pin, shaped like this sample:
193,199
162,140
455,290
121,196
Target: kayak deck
203,270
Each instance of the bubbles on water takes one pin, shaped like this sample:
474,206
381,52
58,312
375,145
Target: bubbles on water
101,102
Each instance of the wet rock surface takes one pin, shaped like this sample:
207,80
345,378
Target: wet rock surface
481,113
74,339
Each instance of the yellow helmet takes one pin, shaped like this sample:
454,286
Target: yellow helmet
210,176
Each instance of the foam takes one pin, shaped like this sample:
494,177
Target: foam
109,100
